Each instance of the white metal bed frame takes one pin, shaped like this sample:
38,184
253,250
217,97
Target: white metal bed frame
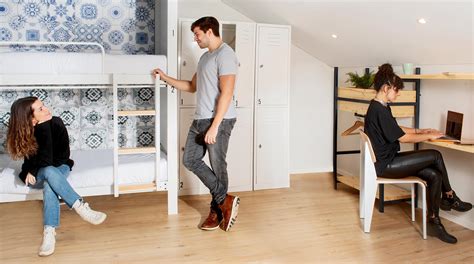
114,82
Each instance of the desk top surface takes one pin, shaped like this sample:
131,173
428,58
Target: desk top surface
464,148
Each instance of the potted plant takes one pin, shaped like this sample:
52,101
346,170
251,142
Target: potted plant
365,81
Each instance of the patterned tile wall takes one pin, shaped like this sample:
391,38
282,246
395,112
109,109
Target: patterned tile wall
87,114
121,26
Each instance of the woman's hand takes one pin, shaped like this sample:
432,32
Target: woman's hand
435,135
30,179
428,131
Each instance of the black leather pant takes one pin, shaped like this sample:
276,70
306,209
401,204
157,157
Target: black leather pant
428,165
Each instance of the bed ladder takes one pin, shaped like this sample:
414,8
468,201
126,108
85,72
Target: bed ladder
136,81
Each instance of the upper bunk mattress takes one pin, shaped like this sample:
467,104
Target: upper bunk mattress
78,63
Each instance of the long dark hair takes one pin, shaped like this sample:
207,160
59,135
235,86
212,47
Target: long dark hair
21,141
385,75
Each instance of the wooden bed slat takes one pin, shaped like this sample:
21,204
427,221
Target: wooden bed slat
144,150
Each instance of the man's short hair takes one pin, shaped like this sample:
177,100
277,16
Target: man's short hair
206,23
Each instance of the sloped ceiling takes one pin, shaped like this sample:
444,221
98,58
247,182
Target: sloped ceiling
373,32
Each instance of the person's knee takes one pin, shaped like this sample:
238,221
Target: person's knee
433,177
436,154
50,173
189,162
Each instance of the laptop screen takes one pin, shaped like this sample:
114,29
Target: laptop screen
454,124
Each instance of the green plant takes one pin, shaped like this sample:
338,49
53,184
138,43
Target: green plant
365,81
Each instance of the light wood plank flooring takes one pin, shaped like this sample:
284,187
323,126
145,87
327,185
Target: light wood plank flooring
307,223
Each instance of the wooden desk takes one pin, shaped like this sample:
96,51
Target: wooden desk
464,148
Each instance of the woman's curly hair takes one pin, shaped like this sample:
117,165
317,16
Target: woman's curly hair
21,141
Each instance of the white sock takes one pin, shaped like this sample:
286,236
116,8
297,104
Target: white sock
76,203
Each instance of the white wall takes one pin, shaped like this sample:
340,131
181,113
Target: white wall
310,113
200,8
437,97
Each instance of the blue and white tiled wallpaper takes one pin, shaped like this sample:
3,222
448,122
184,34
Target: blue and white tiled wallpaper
88,115
121,26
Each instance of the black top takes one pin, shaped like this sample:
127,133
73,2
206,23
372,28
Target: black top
383,132
53,148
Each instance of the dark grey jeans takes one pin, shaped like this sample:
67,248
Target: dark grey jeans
216,179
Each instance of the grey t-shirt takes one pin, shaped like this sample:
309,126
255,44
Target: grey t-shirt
211,66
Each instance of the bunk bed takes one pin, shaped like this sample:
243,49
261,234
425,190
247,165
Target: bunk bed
114,166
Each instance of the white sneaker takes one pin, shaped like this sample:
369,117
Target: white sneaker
49,241
87,214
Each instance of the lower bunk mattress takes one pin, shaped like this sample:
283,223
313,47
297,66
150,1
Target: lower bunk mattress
92,168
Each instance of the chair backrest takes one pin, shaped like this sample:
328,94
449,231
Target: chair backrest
365,139
367,159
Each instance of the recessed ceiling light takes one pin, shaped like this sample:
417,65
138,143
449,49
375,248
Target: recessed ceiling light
422,21
334,36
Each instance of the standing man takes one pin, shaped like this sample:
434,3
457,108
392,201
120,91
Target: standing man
214,119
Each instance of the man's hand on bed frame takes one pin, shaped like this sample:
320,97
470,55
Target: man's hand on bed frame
183,85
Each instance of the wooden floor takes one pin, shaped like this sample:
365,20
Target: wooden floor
309,222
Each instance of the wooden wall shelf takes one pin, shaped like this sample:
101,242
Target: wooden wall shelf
440,76
366,95
369,94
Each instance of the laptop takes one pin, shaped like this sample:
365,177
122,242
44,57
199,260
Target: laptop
454,130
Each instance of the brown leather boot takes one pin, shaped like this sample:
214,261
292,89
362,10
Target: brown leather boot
212,221
230,209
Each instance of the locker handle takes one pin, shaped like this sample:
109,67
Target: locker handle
182,148
184,63
261,65
259,145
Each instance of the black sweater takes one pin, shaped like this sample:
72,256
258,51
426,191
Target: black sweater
384,132
53,148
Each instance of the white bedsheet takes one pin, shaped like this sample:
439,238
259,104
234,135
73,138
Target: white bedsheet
92,168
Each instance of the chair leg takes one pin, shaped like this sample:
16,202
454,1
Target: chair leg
423,189
361,197
369,200
413,202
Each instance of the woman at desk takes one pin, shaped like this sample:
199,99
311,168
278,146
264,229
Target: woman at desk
386,135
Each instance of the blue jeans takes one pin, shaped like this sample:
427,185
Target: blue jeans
54,184
215,179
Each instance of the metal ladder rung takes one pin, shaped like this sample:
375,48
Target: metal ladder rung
145,150
136,113
137,188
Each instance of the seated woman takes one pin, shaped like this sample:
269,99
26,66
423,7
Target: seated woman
43,142
386,135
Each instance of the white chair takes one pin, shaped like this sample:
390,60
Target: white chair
369,183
